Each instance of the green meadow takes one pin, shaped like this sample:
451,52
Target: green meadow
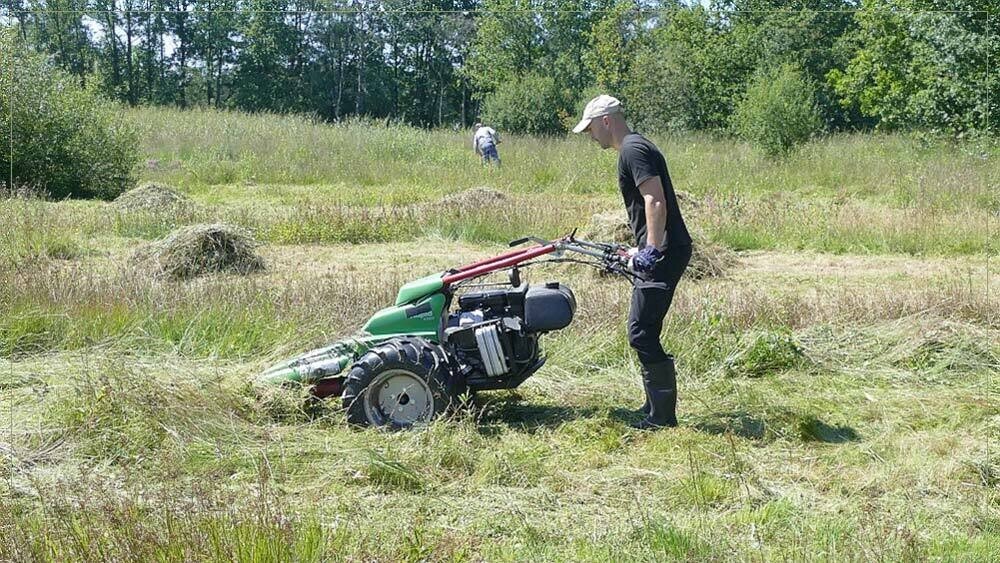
838,382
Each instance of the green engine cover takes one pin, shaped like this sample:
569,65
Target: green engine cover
418,319
416,289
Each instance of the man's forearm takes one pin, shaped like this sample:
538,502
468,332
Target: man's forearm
656,212
656,222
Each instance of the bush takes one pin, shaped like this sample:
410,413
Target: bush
68,142
778,110
532,104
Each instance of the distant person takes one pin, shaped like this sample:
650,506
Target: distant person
485,141
661,254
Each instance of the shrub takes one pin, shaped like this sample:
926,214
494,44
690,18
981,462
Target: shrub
778,110
67,141
532,104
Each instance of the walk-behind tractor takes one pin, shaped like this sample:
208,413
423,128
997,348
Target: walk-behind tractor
414,360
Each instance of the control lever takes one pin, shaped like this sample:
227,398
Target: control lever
528,239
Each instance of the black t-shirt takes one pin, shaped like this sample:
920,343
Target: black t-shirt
639,160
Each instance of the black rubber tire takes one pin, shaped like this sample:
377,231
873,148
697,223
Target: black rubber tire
419,356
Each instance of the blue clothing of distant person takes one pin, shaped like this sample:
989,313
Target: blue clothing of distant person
484,142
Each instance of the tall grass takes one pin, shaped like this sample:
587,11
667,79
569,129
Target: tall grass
44,231
369,162
203,148
846,193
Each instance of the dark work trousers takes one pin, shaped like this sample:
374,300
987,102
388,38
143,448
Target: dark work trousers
651,298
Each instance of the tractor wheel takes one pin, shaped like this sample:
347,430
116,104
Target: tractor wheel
399,384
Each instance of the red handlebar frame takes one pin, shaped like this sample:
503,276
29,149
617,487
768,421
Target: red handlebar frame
500,262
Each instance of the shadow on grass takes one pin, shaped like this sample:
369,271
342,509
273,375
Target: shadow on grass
778,424
627,415
512,412
526,416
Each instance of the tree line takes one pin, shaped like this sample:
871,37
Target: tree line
530,65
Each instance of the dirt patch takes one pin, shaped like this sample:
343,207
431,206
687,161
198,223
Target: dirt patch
152,196
200,249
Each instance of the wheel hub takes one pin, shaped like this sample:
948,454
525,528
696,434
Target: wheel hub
398,397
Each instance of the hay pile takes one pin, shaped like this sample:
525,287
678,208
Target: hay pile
708,259
152,196
610,226
200,249
481,196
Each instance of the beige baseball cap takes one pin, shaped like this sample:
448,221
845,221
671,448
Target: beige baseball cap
600,106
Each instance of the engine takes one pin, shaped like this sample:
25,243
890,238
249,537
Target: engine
495,333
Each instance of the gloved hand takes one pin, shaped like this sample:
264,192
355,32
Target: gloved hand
643,261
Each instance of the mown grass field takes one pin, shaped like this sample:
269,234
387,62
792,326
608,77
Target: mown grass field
838,384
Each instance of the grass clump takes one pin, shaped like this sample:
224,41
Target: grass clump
28,330
668,543
40,246
351,224
609,226
766,423
947,347
703,490
510,465
811,428
391,475
34,232
201,249
763,354
709,259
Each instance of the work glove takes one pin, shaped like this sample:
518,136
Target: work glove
643,261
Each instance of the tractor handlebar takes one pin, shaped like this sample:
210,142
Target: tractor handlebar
612,257
609,257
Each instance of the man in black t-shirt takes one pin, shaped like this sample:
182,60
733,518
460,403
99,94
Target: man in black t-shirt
662,251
